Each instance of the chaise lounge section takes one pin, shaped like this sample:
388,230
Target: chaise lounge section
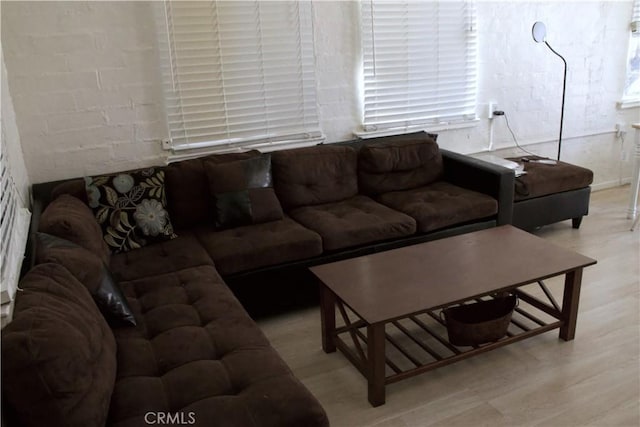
550,193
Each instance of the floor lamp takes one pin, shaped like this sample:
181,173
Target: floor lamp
539,33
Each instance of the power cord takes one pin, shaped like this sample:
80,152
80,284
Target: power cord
513,135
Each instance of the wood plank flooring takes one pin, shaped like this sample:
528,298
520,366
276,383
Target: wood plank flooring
591,381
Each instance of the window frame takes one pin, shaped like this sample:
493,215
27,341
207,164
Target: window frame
14,228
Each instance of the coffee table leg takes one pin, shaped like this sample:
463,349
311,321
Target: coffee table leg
375,365
328,318
570,299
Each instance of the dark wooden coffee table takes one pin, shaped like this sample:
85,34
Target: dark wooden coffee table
395,297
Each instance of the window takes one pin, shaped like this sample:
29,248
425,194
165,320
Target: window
238,74
14,225
419,63
632,83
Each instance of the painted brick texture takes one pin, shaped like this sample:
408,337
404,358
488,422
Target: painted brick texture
85,85
87,92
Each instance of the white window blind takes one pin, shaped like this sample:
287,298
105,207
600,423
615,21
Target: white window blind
14,225
419,63
238,73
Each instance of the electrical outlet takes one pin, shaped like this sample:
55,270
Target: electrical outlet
621,130
491,107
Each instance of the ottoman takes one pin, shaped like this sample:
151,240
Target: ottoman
549,193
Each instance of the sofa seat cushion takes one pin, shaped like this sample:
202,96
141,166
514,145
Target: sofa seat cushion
542,179
440,205
259,245
197,353
182,252
58,353
355,221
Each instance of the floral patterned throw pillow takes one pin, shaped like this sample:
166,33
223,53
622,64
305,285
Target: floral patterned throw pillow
130,208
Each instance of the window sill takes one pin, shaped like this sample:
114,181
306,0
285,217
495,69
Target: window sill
632,103
262,146
417,128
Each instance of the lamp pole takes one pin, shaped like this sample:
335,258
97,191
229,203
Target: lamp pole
564,87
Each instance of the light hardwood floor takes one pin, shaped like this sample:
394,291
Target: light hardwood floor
593,380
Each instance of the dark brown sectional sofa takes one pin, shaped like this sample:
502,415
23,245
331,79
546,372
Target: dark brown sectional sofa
194,352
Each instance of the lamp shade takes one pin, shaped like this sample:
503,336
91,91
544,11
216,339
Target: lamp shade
539,32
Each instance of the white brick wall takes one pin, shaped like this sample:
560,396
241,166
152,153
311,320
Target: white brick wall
87,91
85,85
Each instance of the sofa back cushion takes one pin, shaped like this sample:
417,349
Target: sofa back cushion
58,354
398,162
187,188
91,272
315,175
71,219
73,187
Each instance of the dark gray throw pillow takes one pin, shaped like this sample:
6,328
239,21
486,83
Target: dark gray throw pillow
91,271
243,192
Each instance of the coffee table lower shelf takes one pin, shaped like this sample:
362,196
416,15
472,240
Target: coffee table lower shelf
418,343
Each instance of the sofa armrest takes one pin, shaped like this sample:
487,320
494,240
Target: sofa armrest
483,177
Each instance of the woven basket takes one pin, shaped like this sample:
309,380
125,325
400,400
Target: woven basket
480,322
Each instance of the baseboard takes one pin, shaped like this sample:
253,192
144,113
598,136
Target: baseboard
610,184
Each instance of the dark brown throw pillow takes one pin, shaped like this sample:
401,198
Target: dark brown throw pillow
243,192
91,272
130,208
186,182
